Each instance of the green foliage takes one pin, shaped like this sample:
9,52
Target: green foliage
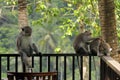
59,23
10,2
8,31
7,39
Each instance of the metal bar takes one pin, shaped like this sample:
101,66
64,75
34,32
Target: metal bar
8,63
40,62
44,54
57,66
101,69
0,68
90,67
32,61
16,63
57,63
73,67
81,67
65,67
24,68
48,63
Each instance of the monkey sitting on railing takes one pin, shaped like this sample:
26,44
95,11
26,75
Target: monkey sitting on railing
25,47
85,44
100,47
81,42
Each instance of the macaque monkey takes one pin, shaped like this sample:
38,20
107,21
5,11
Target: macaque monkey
81,41
81,45
25,47
100,47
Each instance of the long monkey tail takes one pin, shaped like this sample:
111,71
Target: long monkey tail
80,66
95,67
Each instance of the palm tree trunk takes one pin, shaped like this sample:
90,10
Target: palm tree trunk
22,13
22,19
108,23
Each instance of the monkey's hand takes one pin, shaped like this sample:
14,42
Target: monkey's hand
36,49
87,42
39,53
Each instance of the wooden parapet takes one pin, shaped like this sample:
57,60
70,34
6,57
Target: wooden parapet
32,76
112,64
110,69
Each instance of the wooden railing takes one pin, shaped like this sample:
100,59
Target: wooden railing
109,68
32,76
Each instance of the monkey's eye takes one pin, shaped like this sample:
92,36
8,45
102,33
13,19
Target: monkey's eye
22,29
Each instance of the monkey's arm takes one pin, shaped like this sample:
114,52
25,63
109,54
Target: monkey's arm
18,43
91,40
35,48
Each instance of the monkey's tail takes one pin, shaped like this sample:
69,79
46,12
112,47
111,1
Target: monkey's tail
79,65
95,68
94,63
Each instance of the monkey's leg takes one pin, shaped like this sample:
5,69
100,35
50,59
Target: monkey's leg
22,60
98,52
86,50
29,64
82,51
27,61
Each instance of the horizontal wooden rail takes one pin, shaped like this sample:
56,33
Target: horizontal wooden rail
31,76
110,69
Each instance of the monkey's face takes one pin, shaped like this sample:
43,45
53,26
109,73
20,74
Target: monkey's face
88,34
27,31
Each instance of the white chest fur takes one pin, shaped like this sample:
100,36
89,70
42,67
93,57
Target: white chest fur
26,42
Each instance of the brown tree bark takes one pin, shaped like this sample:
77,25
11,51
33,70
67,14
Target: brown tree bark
108,23
22,13
22,19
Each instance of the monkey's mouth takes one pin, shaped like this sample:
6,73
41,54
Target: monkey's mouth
110,49
28,34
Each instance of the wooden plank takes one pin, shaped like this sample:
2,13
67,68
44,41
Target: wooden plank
20,75
112,64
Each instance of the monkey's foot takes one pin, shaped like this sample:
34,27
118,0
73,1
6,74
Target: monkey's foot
30,70
100,55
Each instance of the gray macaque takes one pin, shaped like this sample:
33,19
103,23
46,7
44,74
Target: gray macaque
81,45
25,47
100,47
81,42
